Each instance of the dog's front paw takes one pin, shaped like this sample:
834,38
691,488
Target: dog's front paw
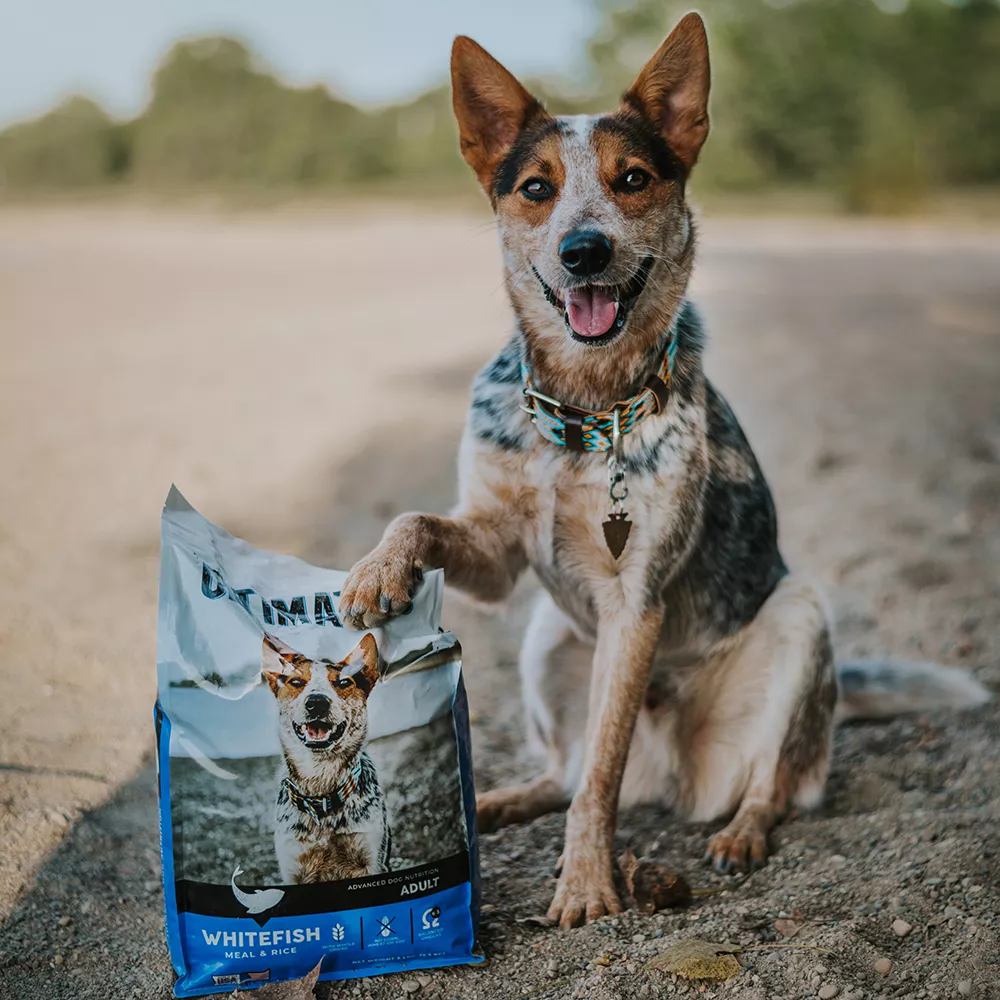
380,587
584,892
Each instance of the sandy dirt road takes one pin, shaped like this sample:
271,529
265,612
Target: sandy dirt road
302,377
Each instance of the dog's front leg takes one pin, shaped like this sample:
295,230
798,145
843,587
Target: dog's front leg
623,657
480,553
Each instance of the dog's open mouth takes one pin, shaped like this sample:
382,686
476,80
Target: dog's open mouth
597,313
320,734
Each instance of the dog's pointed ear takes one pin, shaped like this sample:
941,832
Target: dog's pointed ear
363,663
672,89
490,105
277,661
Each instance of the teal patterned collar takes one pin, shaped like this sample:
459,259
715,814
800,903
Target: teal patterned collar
587,430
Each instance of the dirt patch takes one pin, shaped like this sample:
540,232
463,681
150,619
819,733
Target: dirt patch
828,345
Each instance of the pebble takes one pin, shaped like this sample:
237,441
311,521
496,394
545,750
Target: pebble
965,987
410,986
828,992
553,968
65,921
424,981
58,959
883,966
901,928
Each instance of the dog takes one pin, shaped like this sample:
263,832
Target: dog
331,821
671,655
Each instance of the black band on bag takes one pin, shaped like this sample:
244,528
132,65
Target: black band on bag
329,897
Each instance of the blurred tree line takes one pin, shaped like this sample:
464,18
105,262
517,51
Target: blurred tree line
878,100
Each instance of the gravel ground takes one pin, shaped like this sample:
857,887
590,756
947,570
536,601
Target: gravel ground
864,360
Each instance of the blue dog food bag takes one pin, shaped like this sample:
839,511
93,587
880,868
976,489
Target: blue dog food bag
315,782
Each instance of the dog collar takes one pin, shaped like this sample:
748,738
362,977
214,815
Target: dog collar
319,806
589,430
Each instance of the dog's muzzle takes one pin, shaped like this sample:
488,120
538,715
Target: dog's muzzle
319,734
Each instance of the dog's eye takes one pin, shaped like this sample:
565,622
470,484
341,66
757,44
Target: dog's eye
535,189
296,682
632,180
343,682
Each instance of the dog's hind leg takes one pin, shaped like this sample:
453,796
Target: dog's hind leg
555,669
757,729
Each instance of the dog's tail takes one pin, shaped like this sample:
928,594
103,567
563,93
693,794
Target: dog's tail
873,689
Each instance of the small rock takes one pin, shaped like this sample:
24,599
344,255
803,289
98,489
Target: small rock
820,970
828,992
816,982
59,960
410,986
65,921
901,928
424,981
553,968
965,987
883,966
153,885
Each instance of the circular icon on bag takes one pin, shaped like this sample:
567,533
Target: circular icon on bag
431,918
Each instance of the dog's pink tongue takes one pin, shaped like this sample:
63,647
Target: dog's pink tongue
591,310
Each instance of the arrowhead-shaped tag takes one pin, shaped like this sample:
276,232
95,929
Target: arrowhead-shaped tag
616,529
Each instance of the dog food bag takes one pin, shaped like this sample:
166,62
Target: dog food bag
315,782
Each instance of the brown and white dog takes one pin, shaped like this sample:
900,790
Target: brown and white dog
693,669
330,820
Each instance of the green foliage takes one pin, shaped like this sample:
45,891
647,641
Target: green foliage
218,119
75,146
878,100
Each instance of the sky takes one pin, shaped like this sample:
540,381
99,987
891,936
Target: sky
369,51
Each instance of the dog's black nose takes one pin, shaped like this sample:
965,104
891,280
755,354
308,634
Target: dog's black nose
585,252
317,705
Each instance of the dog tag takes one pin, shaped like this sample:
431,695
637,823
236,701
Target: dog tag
616,529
